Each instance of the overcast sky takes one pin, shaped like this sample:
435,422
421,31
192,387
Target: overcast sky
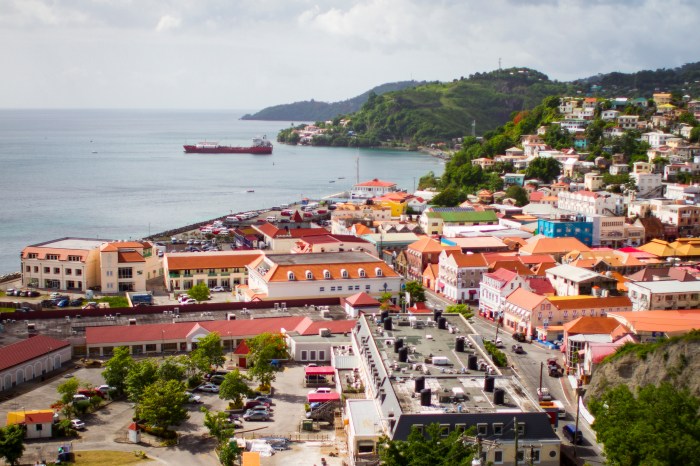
249,54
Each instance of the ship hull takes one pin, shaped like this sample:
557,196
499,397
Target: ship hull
262,150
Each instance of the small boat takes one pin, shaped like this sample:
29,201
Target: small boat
332,181
250,191
260,146
341,177
94,152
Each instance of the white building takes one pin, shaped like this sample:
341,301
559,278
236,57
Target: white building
341,274
127,266
459,275
372,188
647,183
588,202
31,359
495,287
664,294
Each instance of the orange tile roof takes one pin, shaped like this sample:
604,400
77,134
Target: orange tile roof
584,301
660,321
525,299
514,266
129,256
272,231
279,273
183,261
431,271
115,246
362,299
426,244
469,260
591,326
361,229
60,252
543,245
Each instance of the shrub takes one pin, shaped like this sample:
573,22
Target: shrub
160,432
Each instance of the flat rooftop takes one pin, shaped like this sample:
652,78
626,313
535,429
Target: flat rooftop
454,387
72,243
322,258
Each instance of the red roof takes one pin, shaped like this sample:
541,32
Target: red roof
362,299
502,275
26,350
322,370
323,397
129,256
242,348
378,183
38,418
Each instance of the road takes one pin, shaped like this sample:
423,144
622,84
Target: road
531,370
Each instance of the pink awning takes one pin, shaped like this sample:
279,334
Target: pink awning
323,397
321,370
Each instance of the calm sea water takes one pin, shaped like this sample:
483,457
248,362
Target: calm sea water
122,174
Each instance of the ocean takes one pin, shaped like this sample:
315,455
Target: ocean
123,174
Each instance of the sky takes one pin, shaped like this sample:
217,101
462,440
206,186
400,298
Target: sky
250,54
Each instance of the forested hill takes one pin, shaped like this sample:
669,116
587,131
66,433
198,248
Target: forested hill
683,79
311,110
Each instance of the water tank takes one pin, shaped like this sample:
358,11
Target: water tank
459,345
425,397
471,363
398,344
436,314
387,323
442,323
420,384
383,316
403,354
499,396
489,383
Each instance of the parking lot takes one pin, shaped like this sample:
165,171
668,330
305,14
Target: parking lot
107,428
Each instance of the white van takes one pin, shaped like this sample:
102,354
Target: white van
271,218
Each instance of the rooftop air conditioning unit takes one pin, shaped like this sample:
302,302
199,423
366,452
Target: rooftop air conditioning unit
324,332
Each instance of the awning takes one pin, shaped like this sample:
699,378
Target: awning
321,370
323,397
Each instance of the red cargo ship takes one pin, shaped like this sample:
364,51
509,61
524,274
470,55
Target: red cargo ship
261,146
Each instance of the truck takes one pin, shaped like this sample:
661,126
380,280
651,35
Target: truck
561,412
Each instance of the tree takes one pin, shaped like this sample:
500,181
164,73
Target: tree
463,309
11,443
545,169
263,349
171,369
117,368
229,453
67,389
430,449
141,375
218,424
415,289
449,197
200,292
163,404
519,194
660,426
209,352
234,388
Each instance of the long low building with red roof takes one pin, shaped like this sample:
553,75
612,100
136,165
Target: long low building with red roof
183,336
220,268
30,359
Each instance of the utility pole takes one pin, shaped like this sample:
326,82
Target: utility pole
541,368
515,426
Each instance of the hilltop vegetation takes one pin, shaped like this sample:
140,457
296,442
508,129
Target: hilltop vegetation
683,79
312,110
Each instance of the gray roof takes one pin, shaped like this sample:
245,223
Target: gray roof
346,362
575,274
366,420
668,286
537,425
72,243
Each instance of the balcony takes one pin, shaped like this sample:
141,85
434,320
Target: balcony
174,275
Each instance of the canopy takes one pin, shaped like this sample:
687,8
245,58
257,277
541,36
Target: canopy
322,370
323,397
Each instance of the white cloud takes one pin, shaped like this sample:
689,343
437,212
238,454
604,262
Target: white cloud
167,23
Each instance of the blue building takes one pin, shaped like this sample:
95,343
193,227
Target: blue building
578,228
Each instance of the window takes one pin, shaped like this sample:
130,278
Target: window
498,429
378,272
535,455
460,427
322,288
321,355
125,272
36,268
444,430
69,272
327,274
344,273
498,457
340,288
74,258
304,355
290,276
47,270
418,427
309,275
357,287
362,273
521,428
521,455
367,287
332,288
32,255
56,270
150,348
52,257
482,429
312,355
39,426
28,269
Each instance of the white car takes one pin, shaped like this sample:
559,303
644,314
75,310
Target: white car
105,389
218,289
77,424
189,301
321,390
194,399
209,387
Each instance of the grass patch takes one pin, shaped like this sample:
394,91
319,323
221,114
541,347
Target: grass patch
103,457
114,301
7,309
641,350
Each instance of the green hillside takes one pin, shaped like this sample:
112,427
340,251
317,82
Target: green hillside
682,80
312,110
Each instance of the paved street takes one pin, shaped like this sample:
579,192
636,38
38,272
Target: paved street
527,367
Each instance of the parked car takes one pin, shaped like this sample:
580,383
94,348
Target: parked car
209,387
520,337
321,390
53,295
572,435
193,399
63,303
90,393
218,289
33,294
216,379
189,301
77,424
543,394
80,397
76,302
256,416
105,389
255,403
264,399
25,309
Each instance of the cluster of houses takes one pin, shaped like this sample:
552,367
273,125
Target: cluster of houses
578,268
